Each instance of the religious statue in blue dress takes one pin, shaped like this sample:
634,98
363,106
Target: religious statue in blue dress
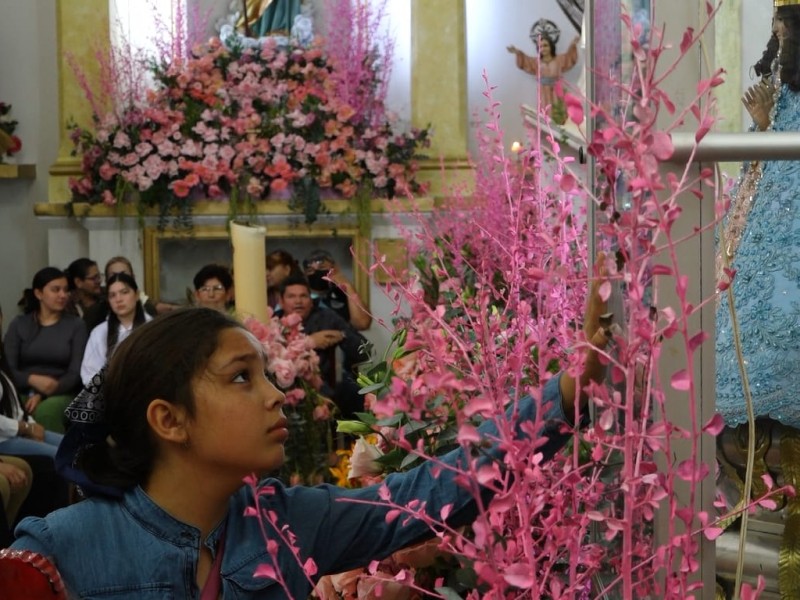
762,244
760,241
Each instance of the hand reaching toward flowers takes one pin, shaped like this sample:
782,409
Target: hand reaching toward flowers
597,336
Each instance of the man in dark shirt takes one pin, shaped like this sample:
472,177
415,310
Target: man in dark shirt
328,331
329,284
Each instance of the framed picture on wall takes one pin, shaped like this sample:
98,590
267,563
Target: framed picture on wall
171,259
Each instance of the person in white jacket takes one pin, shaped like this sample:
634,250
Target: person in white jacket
126,314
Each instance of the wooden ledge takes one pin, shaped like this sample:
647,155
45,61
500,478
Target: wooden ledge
17,171
210,208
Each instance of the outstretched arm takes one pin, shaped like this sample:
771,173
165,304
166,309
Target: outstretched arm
359,316
568,60
597,337
529,64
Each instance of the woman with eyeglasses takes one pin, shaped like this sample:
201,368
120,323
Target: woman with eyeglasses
85,287
213,286
126,313
44,349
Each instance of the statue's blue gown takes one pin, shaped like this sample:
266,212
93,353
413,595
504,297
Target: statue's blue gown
767,293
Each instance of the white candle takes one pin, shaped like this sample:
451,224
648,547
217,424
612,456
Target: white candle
249,271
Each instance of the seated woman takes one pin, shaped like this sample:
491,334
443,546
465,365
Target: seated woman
126,314
185,413
44,348
20,434
213,287
99,313
22,437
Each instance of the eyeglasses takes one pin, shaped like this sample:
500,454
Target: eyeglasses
318,264
209,289
96,277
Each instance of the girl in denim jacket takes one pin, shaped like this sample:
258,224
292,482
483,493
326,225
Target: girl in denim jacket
185,413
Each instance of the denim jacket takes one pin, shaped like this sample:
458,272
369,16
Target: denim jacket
133,549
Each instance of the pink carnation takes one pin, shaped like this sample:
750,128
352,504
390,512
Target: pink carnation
285,372
295,396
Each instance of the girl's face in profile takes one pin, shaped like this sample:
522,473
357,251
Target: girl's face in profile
238,426
122,299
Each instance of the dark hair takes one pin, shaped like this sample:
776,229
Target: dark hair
30,303
213,271
295,280
158,360
281,257
790,52
113,320
79,268
318,254
549,41
116,259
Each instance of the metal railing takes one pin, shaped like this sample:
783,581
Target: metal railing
728,147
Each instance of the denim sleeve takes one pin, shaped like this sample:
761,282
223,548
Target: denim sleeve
33,534
353,529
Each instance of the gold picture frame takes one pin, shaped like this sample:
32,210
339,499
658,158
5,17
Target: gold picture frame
171,258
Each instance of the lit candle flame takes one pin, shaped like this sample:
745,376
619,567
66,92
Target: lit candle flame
516,147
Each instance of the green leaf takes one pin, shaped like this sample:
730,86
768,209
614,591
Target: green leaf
378,371
392,421
392,459
466,577
372,388
409,461
353,427
367,418
448,593
415,427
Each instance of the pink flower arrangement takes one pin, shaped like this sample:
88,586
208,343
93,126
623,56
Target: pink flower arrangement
294,366
226,123
291,358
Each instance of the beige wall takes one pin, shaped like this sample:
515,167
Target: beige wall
28,80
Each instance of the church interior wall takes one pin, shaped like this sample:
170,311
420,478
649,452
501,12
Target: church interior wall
28,73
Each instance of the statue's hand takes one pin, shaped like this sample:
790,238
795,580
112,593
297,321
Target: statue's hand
758,100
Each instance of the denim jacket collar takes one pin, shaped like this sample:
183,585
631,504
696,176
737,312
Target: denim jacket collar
162,524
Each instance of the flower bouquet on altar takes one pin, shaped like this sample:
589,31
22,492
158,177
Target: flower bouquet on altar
10,144
246,124
293,366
